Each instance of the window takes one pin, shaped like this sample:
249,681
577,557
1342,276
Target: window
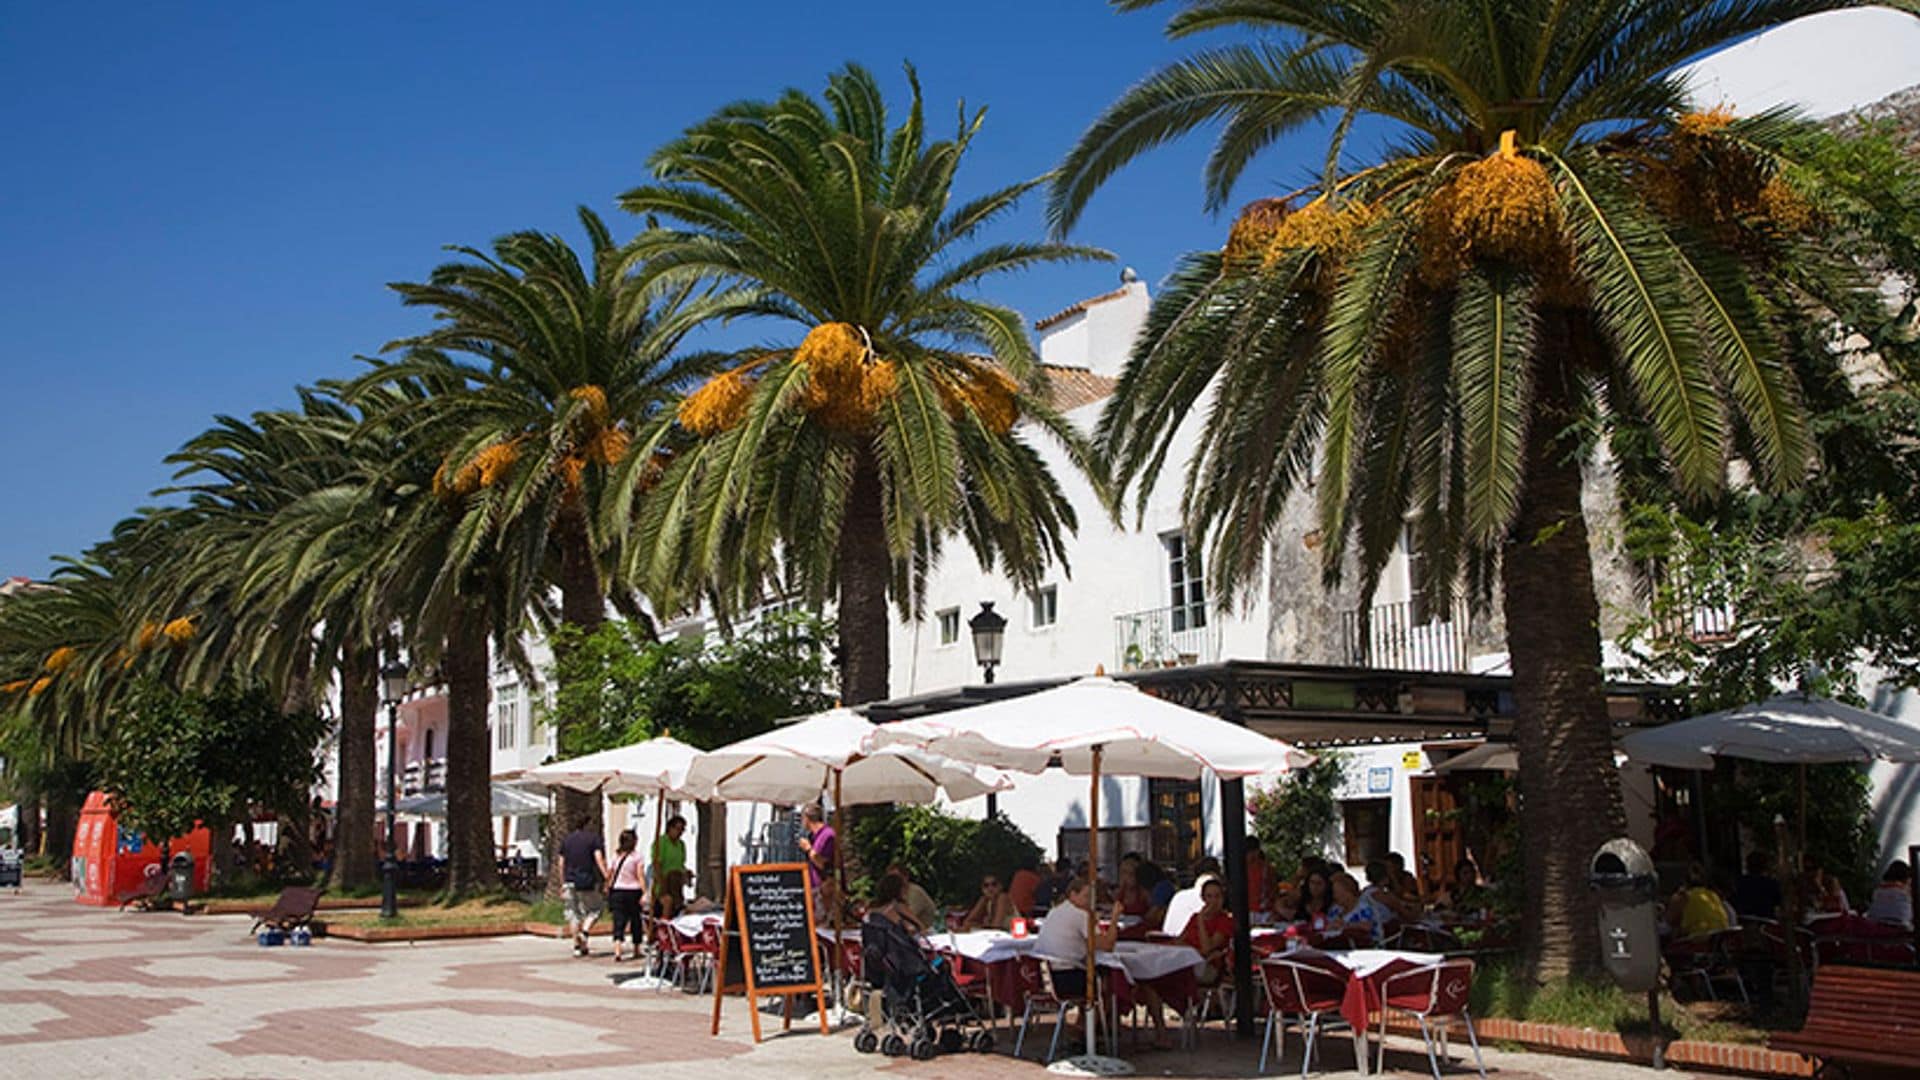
1186,583
949,625
1420,609
506,717
426,743
1366,822
1044,606
1177,834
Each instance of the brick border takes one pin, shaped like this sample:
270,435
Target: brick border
1588,1042
229,906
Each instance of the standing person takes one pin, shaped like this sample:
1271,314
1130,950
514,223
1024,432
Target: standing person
583,865
820,844
669,852
626,892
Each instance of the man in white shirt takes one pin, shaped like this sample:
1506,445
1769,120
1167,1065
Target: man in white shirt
1062,945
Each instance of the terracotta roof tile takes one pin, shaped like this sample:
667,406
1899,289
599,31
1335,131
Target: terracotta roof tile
1074,387
1069,312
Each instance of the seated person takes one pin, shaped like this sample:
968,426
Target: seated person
1210,932
669,896
1757,894
1696,909
1383,899
1159,890
1062,945
1132,897
1892,901
1464,894
1346,899
1316,897
1022,887
1284,904
1825,896
992,911
889,903
1404,886
918,903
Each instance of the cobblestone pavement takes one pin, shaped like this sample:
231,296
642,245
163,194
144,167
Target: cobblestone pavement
92,993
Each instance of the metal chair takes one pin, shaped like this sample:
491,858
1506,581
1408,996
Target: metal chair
1707,957
1435,992
1308,991
1036,985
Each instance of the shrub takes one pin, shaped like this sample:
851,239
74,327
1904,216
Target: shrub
1292,819
947,854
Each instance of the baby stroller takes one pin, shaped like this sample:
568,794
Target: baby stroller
925,1012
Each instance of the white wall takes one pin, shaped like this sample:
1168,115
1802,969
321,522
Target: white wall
1825,64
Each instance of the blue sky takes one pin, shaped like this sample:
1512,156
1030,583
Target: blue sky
202,207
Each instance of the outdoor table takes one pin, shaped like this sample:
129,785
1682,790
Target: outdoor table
1171,970
1366,970
689,926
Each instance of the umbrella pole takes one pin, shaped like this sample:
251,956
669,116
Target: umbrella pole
659,830
839,890
1093,900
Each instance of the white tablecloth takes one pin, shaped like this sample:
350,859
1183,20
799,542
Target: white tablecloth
1364,962
1143,960
688,926
985,946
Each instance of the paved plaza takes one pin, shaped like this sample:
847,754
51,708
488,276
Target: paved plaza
93,993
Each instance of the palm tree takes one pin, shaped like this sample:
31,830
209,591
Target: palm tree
1549,247
300,580
843,464
573,364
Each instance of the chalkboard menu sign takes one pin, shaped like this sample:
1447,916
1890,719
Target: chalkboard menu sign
769,946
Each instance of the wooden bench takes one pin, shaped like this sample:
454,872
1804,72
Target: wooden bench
1859,1016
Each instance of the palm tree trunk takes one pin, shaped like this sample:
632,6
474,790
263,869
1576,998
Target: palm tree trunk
470,860
1569,788
866,568
583,604
354,857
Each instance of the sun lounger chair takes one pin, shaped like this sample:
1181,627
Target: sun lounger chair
294,908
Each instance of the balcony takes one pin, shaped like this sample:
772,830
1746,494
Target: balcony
1397,637
1684,609
416,780
1165,637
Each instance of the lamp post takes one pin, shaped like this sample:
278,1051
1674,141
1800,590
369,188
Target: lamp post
989,634
393,687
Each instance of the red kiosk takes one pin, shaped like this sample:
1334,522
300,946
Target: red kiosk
109,862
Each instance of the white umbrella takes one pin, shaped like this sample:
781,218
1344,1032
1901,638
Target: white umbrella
643,768
1791,729
656,767
1089,727
798,761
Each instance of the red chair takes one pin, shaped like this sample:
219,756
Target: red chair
1435,992
1036,986
1309,992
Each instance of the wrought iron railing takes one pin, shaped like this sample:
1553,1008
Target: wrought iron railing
1165,637
1403,637
415,780
1685,609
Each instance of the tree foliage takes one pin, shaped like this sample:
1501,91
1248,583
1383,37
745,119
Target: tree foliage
616,685
173,759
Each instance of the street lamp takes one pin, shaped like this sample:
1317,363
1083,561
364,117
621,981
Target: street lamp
393,687
989,633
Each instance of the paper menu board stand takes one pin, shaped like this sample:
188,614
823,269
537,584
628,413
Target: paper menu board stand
767,942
